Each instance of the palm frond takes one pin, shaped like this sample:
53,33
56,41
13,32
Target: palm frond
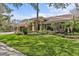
2,9
17,5
59,5
6,8
35,6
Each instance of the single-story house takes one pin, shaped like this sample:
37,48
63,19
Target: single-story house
45,23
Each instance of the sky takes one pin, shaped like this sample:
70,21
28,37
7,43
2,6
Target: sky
26,11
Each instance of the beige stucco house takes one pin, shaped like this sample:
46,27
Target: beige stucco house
43,24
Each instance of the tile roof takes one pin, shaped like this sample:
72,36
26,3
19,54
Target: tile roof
59,18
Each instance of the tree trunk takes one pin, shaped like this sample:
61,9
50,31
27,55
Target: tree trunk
37,10
37,15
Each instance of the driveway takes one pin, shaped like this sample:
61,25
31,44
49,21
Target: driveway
7,51
7,32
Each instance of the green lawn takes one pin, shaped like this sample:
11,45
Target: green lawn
42,45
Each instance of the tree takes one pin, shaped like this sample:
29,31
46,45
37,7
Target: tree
75,13
65,5
36,6
5,9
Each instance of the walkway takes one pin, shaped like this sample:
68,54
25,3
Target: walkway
7,51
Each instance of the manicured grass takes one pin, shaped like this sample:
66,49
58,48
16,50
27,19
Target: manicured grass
42,45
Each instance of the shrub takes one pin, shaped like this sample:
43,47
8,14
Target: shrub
25,30
42,32
76,27
19,33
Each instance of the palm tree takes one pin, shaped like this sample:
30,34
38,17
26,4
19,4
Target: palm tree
5,9
36,6
75,12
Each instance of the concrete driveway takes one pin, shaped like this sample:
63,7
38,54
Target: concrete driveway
7,32
8,51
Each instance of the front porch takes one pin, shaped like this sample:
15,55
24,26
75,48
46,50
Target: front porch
38,25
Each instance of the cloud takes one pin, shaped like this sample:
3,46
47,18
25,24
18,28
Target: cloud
34,15
41,14
21,17
53,11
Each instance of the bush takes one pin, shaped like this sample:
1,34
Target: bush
25,30
19,33
42,32
76,27
22,31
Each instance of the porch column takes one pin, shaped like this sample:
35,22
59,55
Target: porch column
33,27
40,26
45,26
36,26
